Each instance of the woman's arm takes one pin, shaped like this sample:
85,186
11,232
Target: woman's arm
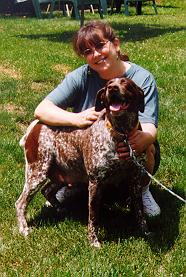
50,114
139,141
151,131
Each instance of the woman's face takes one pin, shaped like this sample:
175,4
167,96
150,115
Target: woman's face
103,57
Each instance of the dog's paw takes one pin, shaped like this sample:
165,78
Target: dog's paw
96,244
25,231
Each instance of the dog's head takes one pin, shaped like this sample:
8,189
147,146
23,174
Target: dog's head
119,95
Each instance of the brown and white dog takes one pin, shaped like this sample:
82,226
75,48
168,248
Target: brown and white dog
87,156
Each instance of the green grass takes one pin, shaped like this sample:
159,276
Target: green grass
34,57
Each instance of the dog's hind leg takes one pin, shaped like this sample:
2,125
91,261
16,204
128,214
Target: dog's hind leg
34,180
94,205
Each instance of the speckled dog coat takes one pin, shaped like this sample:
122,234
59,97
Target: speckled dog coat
87,156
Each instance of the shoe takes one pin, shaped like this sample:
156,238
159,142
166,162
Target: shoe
61,194
70,193
150,206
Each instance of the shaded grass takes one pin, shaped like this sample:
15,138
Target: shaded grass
33,48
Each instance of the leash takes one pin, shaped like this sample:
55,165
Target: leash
144,171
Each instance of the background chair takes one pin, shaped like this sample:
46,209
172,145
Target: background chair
77,5
51,6
118,3
74,5
126,2
37,7
101,5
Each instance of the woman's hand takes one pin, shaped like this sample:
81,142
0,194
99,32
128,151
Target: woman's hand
87,117
139,141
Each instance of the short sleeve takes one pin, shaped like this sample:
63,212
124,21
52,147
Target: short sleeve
70,89
150,114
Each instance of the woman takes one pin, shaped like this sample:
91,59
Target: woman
99,46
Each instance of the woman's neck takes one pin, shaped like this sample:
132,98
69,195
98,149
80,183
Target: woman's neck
116,71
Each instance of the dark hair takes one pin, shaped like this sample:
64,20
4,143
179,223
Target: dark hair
91,34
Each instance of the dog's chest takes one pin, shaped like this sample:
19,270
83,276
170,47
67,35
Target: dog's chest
101,159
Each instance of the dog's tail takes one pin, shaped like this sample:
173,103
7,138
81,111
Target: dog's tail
30,127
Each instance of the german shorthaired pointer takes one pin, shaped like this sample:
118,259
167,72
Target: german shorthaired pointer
87,156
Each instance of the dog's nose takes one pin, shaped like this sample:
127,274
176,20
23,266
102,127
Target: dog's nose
113,88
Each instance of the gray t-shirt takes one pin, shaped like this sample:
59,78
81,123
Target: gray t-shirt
79,87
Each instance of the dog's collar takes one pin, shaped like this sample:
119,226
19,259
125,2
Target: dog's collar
121,135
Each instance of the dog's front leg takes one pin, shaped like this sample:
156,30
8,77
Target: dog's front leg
94,204
137,205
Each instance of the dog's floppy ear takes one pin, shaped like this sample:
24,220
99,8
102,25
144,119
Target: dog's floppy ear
99,104
139,97
141,101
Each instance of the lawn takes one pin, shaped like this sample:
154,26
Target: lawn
34,56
